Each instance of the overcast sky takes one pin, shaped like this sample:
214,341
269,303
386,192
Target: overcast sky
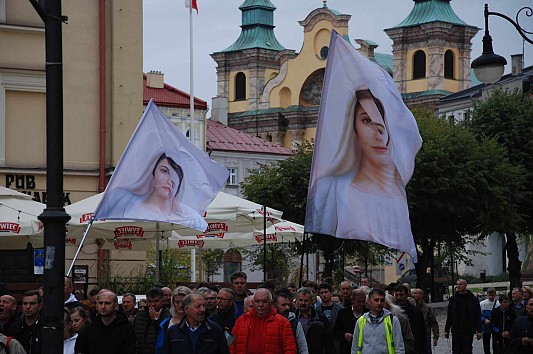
166,31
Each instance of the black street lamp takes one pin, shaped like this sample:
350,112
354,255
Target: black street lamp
489,67
54,216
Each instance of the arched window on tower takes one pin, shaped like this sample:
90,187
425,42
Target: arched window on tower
448,64
240,86
419,65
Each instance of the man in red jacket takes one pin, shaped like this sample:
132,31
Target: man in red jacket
263,330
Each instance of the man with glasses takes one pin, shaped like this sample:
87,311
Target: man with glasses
210,297
226,310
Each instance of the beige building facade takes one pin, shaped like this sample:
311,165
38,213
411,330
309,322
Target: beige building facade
23,98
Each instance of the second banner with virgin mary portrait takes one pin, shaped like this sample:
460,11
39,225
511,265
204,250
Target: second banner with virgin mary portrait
365,148
161,176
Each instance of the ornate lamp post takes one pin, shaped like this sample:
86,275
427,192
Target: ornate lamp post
489,67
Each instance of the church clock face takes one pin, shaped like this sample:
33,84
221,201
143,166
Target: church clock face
324,52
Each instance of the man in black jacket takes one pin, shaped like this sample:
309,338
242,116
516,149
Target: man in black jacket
28,330
416,318
195,334
146,324
463,319
315,325
522,331
226,314
346,320
110,333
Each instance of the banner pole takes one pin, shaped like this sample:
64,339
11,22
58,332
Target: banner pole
80,246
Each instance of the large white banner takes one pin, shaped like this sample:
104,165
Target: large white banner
364,155
161,176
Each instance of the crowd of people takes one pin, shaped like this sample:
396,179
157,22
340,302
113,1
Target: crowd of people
314,319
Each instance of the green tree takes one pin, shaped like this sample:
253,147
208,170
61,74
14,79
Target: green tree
277,260
508,118
283,184
174,267
213,260
462,188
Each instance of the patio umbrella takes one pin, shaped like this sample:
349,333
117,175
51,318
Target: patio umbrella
225,214
18,219
283,231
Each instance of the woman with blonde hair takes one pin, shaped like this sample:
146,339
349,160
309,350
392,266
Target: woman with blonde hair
527,293
177,312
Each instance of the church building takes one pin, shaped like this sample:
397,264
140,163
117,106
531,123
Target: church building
274,93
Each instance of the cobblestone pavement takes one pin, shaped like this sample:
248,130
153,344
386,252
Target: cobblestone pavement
444,346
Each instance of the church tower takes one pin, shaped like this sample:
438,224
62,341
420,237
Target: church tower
431,52
245,66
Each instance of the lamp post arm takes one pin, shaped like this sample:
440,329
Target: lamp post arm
38,9
528,12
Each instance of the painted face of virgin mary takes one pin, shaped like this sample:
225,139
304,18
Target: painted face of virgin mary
166,180
373,136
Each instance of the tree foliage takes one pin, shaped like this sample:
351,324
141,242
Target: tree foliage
212,260
277,260
508,118
462,187
283,184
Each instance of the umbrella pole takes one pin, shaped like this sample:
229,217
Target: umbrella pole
80,246
264,244
302,262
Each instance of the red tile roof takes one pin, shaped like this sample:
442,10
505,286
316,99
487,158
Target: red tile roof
223,138
169,96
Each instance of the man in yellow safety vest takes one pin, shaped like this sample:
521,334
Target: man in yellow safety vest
377,331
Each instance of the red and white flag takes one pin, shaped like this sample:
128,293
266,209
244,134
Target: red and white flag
161,176
189,3
364,155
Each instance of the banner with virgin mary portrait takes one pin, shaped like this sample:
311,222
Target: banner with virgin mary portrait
161,176
365,148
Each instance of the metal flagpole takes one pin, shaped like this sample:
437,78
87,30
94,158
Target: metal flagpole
191,108
80,246
264,243
157,255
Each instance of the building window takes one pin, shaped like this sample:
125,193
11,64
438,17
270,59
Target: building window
324,52
240,86
232,178
2,11
448,64
419,65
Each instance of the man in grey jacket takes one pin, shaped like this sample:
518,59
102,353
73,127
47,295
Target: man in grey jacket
377,331
283,304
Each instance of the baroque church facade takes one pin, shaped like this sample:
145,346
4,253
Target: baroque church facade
274,93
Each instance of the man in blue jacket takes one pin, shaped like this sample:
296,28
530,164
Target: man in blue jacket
195,334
